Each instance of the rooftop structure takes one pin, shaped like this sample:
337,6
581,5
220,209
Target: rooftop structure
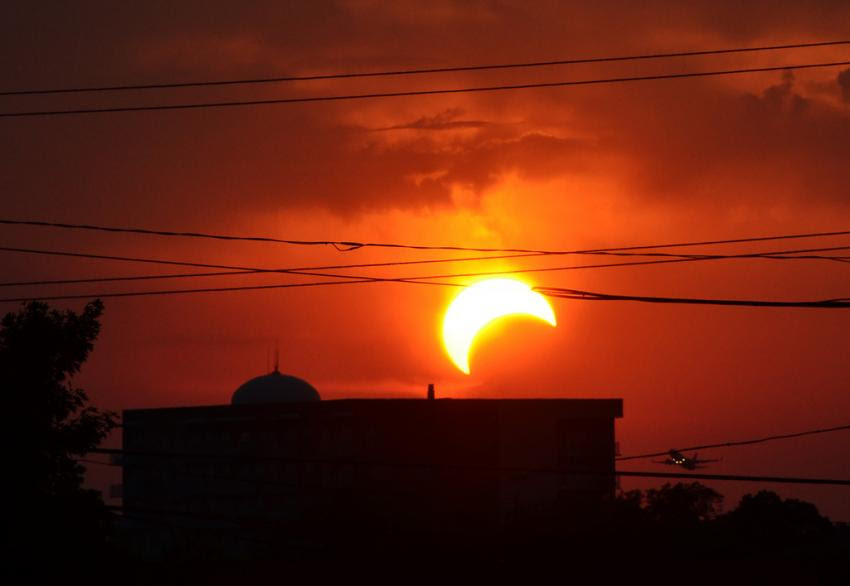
274,388
316,472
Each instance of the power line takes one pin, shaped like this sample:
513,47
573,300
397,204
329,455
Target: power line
312,271
575,294
760,440
422,280
778,255
409,93
739,478
349,278
238,271
402,72
482,468
566,268
349,281
348,245
340,244
505,469
130,259
555,292
627,473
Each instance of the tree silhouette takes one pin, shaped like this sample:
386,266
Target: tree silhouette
765,523
49,426
682,504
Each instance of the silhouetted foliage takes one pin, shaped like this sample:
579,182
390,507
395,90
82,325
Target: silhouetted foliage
683,522
49,425
766,515
682,505
767,524
627,509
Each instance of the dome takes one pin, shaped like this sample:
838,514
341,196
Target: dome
274,388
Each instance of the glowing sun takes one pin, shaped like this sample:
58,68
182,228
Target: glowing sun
480,304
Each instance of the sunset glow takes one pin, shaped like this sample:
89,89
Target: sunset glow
295,172
480,304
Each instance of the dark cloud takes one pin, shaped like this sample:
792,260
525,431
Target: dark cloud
706,142
447,120
687,138
844,84
263,159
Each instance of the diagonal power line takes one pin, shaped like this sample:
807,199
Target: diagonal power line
454,467
348,245
421,71
574,294
796,254
410,93
748,442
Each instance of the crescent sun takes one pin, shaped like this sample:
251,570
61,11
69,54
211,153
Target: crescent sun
480,304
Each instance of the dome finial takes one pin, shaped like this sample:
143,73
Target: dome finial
276,357
274,388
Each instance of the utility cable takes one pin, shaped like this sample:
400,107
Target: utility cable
347,245
760,440
431,280
235,270
738,478
466,467
576,294
402,72
780,255
410,93
554,292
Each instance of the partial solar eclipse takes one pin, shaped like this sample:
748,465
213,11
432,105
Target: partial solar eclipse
480,304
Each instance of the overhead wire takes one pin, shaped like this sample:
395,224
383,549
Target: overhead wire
235,270
513,469
420,71
239,271
411,93
348,245
105,295
424,279
737,478
576,294
760,440
467,467
779,255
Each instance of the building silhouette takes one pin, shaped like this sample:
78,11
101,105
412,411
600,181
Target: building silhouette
280,468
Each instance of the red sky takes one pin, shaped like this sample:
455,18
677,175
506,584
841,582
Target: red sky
559,168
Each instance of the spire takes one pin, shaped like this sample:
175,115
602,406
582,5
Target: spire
276,358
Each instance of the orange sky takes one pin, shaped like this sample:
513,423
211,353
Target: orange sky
559,168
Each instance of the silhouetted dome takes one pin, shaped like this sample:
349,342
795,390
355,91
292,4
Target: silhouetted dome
274,388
